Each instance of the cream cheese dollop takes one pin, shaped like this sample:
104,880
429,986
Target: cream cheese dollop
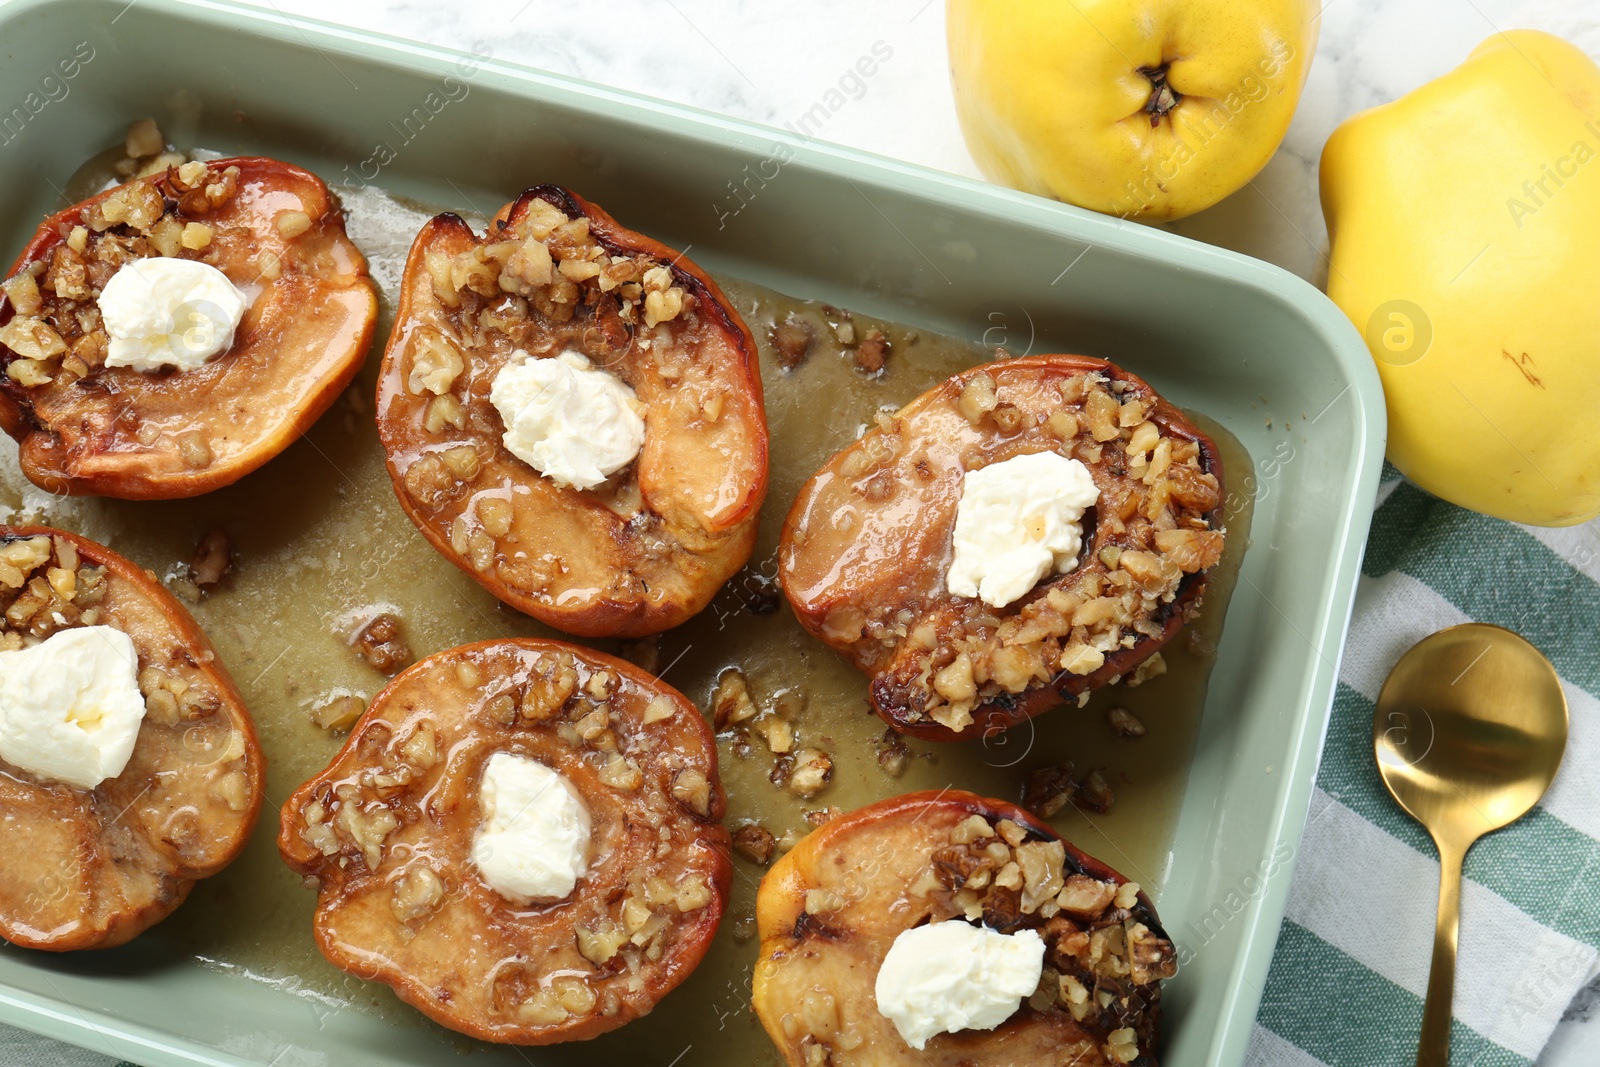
70,707
1017,521
162,312
569,421
950,976
533,842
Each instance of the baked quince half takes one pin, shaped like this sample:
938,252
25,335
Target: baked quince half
572,414
522,837
942,929
129,766
1023,533
169,336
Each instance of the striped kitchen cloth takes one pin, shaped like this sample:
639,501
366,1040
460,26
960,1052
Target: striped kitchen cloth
1347,981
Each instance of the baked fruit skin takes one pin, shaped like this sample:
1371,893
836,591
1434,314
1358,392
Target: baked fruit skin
386,831
95,868
829,910
873,587
648,548
124,433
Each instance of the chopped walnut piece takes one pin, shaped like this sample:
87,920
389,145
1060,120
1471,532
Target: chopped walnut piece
872,352
754,842
1125,723
196,236
436,362
731,704
810,772
144,139
1154,667
382,644
213,559
1123,1045
338,714
978,398
1094,793
292,224
775,731
791,339
417,893
893,753
693,790
1191,550
1048,789
23,293
1085,897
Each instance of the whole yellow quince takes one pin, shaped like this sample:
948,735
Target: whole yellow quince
1146,109
1464,222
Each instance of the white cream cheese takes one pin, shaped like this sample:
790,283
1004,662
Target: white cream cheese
70,707
950,976
1018,521
162,312
533,843
570,422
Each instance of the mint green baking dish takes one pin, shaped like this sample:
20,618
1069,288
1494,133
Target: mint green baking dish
1245,343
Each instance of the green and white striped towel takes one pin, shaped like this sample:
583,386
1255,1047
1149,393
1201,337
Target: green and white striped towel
1346,984
1348,978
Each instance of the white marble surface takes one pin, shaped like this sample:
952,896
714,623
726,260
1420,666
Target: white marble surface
771,62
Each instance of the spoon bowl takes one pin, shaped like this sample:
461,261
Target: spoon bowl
1468,733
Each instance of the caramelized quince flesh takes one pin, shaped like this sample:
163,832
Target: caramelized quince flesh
829,911
85,428
650,546
93,868
387,831
867,544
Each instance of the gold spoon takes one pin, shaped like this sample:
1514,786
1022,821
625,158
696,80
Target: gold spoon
1469,732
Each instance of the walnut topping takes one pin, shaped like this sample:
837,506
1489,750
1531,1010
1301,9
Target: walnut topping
1125,723
693,790
809,772
978,398
873,351
1049,788
660,708
417,893
338,714
143,139
754,842
1094,793
893,753
367,827
213,559
45,587
731,703
1103,959
292,224
552,265
382,644
436,362
791,339
600,943
621,772
1123,1045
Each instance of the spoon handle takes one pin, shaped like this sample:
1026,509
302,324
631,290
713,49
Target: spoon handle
1433,1050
